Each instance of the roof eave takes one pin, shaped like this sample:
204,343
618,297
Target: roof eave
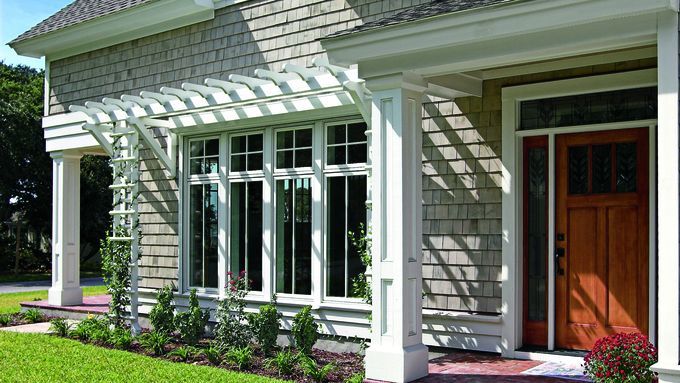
126,25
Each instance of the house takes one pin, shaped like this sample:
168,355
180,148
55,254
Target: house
515,160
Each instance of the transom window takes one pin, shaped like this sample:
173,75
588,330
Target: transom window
346,144
305,204
294,148
204,156
246,153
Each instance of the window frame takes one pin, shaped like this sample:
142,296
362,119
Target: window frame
342,167
188,180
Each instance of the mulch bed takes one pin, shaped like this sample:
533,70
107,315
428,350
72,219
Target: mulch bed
17,319
346,364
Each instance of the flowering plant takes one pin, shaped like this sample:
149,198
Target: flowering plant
621,358
232,328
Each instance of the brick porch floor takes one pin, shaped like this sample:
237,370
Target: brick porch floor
473,367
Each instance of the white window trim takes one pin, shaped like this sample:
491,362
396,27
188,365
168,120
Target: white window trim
512,277
269,175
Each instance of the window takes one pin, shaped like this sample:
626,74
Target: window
203,208
345,204
203,235
346,144
294,236
204,156
246,231
346,211
294,148
246,153
255,202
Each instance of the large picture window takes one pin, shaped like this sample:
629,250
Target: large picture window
279,201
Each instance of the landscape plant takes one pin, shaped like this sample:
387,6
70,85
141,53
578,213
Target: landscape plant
213,354
232,330
305,331
87,327
240,357
5,319
190,324
60,327
33,316
116,257
162,315
265,326
621,358
283,362
315,371
184,353
154,342
120,339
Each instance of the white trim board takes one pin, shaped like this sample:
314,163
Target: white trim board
512,294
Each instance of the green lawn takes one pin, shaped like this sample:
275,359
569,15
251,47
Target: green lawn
9,303
44,358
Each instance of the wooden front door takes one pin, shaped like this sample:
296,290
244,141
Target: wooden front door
601,239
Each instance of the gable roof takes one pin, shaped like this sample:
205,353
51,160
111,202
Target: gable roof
77,12
419,12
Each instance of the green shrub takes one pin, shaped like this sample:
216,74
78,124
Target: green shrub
60,327
116,257
184,353
191,323
120,339
305,331
265,326
86,328
358,377
33,315
213,354
318,373
100,335
5,319
162,314
240,357
284,362
232,329
154,342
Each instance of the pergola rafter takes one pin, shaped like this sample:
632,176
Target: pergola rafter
120,125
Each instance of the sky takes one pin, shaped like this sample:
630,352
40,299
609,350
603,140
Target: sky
18,16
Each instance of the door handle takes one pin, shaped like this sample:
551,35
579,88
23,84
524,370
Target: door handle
559,252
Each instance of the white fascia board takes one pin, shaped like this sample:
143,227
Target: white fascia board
65,132
116,28
470,28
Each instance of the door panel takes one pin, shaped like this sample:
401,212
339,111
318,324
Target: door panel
602,210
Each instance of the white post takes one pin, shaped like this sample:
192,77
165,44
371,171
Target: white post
668,216
396,353
65,288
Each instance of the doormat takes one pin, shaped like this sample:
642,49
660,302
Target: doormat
558,370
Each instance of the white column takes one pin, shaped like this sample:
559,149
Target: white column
65,288
668,210
396,353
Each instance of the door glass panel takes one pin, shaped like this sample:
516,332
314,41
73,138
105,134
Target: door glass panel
626,167
602,168
536,232
578,170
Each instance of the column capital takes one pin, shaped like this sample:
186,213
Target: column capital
403,80
66,154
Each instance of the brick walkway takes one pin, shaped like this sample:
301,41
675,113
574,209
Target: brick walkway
472,367
98,304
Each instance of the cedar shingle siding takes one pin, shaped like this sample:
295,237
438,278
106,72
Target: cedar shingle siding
461,142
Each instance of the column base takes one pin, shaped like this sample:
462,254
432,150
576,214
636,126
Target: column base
667,373
394,364
69,296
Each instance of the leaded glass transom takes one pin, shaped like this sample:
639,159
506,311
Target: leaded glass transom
585,109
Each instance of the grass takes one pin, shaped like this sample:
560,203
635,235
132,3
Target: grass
32,277
42,358
9,303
